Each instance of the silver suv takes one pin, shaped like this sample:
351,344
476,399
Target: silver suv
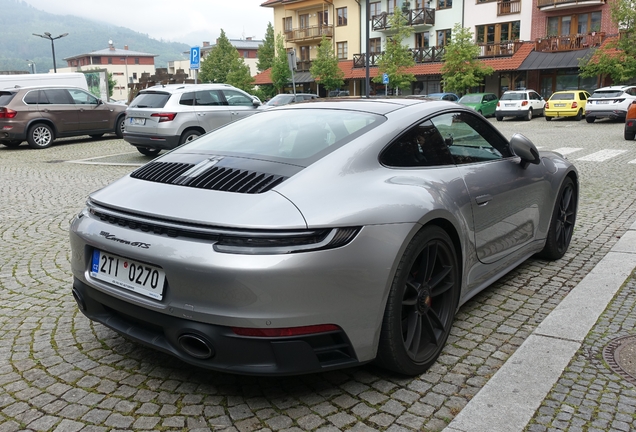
609,102
166,116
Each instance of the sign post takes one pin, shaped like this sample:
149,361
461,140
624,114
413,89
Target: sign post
291,61
195,61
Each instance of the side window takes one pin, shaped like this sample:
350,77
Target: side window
82,98
187,99
31,98
420,146
58,97
207,98
235,98
582,96
470,139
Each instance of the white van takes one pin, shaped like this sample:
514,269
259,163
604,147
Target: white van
70,79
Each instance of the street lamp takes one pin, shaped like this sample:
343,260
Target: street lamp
32,66
47,35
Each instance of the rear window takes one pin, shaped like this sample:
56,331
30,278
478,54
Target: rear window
514,96
150,100
287,134
607,93
562,96
5,97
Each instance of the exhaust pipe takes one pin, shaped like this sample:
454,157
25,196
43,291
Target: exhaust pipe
196,346
79,299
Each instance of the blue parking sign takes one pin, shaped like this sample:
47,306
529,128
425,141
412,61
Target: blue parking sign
195,57
385,78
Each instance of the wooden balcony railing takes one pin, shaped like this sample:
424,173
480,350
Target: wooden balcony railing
549,4
303,65
307,33
499,49
413,17
420,55
508,7
569,42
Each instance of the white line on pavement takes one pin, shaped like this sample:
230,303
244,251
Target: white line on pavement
567,150
602,155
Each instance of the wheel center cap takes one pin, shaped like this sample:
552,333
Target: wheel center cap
423,300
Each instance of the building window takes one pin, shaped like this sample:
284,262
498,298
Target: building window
323,18
97,60
443,37
375,9
304,21
342,16
444,4
246,54
123,59
421,40
375,45
304,53
342,50
571,24
501,32
110,60
287,24
136,60
392,5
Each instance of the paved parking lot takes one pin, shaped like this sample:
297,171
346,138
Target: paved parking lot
59,371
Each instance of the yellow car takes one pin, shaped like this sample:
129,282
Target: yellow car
567,103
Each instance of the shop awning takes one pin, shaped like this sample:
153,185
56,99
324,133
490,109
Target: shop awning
553,60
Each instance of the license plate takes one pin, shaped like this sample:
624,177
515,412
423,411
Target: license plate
141,278
137,121
559,105
602,102
510,105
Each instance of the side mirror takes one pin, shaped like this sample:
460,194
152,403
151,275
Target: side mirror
525,149
99,102
256,102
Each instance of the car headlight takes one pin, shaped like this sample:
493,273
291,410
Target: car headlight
268,243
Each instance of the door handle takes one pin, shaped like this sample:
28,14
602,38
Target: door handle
483,199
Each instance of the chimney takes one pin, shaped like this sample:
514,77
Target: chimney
206,43
126,47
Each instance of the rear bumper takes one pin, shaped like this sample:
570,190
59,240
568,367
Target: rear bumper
511,113
162,142
611,114
561,113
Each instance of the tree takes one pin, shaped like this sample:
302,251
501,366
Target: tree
218,63
325,68
239,74
617,58
267,51
280,74
461,69
396,57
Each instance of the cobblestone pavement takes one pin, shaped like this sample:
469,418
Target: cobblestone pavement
589,396
59,371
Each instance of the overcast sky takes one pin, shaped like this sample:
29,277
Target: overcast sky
187,21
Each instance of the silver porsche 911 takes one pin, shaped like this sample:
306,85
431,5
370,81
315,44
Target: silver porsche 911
319,236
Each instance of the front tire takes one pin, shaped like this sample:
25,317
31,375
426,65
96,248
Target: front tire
528,116
40,136
189,136
119,127
421,304
562,222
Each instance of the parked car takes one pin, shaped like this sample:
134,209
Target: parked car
483,103
609,102
284,99
630,122
166,116
452,97
520,103
338,93
566,103
41,114
319,236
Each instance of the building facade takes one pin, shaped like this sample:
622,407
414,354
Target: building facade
125,65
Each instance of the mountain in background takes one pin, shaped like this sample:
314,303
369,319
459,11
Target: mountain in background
19,20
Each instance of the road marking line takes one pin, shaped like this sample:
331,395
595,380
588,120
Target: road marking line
567,150
602,155
100,157
634,161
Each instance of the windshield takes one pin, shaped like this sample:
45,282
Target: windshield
470,99
287,134
150,100
607,93
562,96
514,96
280,100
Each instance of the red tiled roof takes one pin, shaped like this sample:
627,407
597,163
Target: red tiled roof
498,64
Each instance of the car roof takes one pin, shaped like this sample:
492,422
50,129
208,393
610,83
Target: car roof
176,88
477,94
616,87
379,105
40,87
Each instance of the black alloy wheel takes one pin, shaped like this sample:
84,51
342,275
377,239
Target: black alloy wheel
421,305
562,223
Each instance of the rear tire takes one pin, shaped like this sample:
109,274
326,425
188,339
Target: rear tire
119,127
421,304
628,135
590,119
548,118
40,136
528,116
189,136
562,222
579,115
148,151
12,143
499,118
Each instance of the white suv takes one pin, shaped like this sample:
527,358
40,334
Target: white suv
520,103
166,116
609,102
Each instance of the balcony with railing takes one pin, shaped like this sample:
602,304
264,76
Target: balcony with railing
303,65
414,17
508,7
309,33
420,55
569,42
498,49
546,5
